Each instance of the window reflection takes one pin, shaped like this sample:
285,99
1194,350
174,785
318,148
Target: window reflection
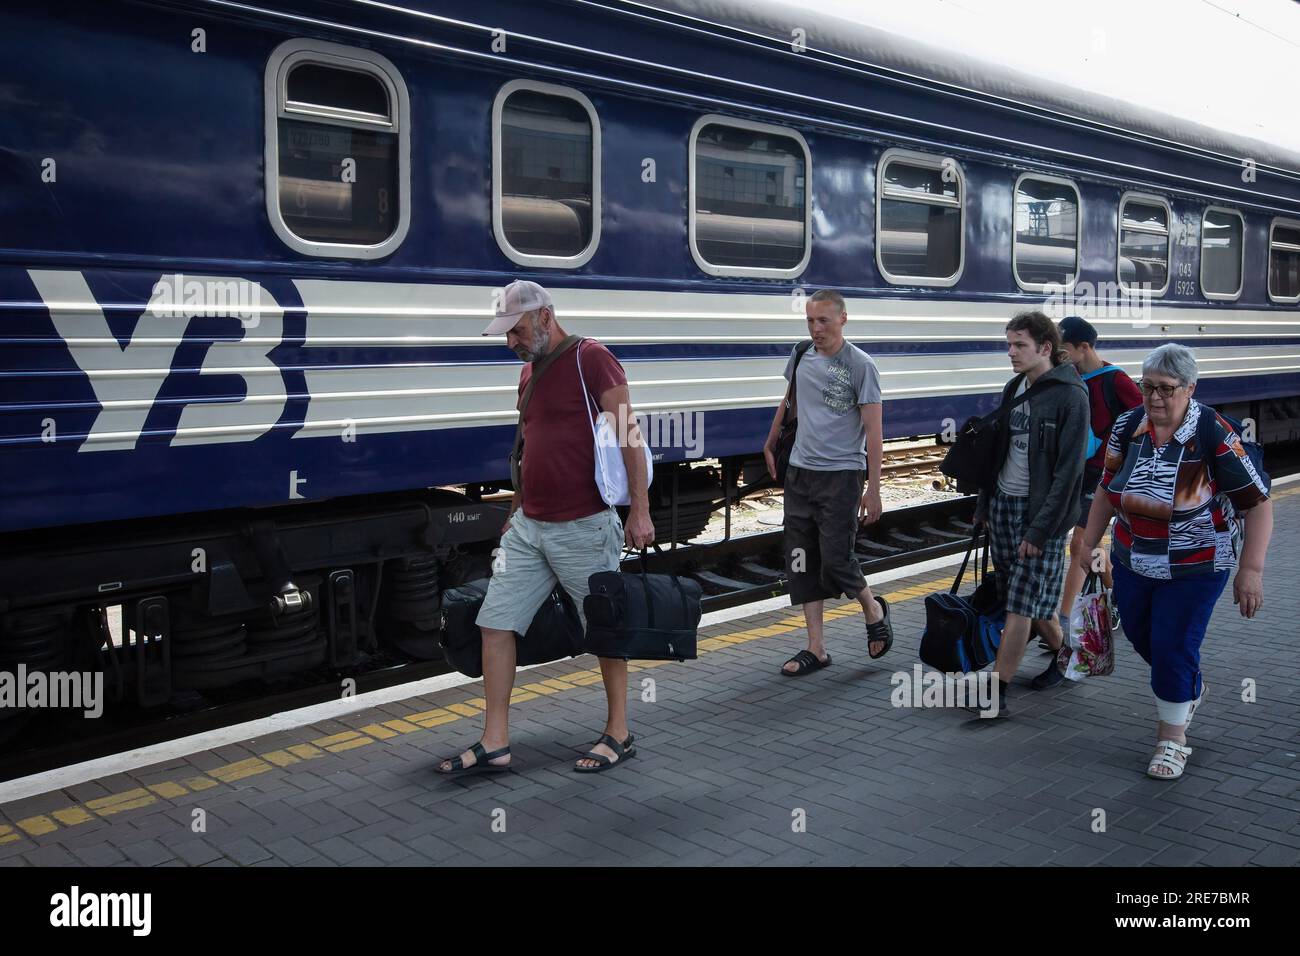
338,180
1144,245
1047,232
749,198
1221,253
1284,262
546,174
919,232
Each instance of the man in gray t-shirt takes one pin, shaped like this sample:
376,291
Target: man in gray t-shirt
1013,479
835,394
831,389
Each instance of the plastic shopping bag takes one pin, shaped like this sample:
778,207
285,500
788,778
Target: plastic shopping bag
1091,652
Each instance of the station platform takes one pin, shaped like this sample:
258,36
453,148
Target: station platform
733,757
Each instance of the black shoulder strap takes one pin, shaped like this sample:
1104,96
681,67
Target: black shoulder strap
539,368
1110,396
1036,389
1135,416
799,351
1205,437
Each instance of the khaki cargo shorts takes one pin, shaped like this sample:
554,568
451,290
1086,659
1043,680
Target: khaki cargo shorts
535,554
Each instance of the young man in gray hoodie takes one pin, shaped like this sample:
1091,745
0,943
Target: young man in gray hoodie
1033,507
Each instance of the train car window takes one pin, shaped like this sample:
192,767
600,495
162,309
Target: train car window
337,150
750,210
1284,261
1222,249
545,175
919,210
1144,244
1045,247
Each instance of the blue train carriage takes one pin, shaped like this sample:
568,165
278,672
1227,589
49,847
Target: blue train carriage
248,251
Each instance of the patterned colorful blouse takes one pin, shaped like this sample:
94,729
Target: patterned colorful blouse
1169,522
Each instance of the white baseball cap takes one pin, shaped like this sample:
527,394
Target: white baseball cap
517,298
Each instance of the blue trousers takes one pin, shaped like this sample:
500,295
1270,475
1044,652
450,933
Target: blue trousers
1165,621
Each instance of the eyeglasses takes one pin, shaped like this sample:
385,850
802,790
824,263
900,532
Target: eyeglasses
1166,391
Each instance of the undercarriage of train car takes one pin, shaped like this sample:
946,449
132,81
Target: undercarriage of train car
186,608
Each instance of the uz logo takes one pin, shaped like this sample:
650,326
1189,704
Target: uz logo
126,381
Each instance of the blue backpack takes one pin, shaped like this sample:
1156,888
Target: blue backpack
1111,397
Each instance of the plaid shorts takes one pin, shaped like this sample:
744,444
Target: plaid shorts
1030,587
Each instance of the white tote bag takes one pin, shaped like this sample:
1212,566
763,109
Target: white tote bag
611,474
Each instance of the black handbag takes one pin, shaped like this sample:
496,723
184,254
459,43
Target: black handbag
962,634
641,616
789,423
973,460
555,631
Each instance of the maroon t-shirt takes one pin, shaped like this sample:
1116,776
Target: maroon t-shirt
559,455
1126,396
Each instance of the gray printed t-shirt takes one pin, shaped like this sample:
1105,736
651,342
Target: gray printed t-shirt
1013,479
829,391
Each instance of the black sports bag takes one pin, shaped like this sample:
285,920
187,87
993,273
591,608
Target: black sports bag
641,616
962,634
554,633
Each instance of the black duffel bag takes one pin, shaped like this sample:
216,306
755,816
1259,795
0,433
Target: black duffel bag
555,631
962,634
641,616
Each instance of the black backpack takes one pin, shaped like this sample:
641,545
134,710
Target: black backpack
973,458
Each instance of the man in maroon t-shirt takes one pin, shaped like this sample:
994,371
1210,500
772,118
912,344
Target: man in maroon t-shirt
559,528
1111,392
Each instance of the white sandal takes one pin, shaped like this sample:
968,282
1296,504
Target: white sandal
1167,757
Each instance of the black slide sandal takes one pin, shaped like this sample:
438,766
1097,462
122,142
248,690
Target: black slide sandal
807,662
882,630
624,751
481,762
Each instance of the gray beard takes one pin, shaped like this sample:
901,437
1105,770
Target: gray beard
541,345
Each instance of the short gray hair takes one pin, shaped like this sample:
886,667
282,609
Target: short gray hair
829,295
1177,361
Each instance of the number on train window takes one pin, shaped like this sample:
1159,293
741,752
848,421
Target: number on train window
1144,244
1284,261
919,233
750,210
1046,244
1221,253
337,154
546,175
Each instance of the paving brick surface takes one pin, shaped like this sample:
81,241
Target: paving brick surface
738,765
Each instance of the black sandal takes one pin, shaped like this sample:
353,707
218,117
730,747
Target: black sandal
624,751
481,762
807,662
882,630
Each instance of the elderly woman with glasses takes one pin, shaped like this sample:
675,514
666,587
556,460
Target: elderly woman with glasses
1176,475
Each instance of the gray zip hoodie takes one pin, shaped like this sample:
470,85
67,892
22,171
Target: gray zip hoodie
1058,441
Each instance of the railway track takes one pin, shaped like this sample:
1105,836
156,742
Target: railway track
751,567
